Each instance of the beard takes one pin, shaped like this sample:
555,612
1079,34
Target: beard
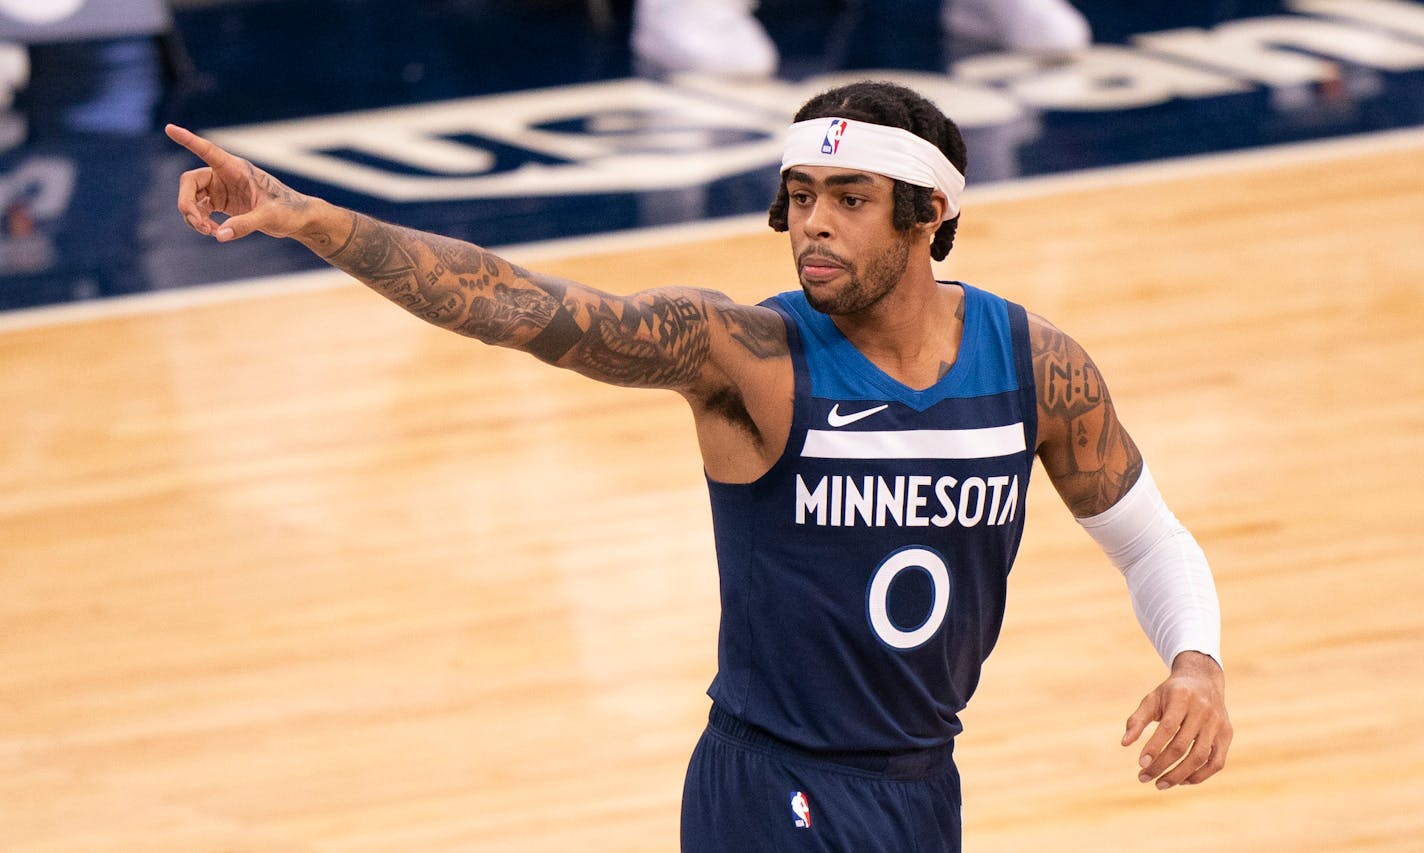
864,288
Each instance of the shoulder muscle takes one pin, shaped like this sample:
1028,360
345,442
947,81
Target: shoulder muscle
1090,458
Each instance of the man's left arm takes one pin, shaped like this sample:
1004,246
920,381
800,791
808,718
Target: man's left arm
1100,475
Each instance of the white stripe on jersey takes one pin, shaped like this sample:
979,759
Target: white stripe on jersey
985,443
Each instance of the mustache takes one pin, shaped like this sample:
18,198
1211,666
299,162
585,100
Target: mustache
823,255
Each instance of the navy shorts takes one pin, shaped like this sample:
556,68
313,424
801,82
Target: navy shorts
747,791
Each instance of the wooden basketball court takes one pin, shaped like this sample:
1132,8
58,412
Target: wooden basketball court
283,569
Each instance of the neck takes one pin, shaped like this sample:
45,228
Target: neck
913,333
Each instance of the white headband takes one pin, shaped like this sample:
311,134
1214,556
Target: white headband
867,147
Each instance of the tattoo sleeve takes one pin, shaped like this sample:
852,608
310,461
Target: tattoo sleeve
657,339
1086,452
762,333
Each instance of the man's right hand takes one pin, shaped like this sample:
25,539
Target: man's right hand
251,199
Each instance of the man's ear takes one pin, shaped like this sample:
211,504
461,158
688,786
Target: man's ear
940,202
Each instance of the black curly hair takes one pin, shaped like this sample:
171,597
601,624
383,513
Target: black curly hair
892,105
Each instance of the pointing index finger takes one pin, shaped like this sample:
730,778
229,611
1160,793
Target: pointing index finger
206,150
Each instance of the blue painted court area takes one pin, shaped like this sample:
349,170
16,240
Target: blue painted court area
512,122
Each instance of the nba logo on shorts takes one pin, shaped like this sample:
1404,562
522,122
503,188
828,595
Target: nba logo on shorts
832,142
801,809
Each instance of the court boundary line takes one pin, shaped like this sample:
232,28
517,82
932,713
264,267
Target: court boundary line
661,236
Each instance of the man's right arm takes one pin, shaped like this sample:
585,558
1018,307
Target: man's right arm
659,338
654,339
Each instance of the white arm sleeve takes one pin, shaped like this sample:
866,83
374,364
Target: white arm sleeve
1167,575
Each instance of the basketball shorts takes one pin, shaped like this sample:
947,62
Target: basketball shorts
747,791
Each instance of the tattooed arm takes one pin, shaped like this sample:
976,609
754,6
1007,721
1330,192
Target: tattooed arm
729,361
1090,458
669,338
656,339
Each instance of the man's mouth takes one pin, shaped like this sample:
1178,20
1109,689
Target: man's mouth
820,268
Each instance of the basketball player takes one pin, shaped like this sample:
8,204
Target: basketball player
867,440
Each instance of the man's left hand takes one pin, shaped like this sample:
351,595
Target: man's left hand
1193,731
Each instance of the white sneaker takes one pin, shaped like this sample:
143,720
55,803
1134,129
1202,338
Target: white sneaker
708,36
1038,26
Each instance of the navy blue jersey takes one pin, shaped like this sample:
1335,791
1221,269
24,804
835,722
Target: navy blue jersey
863,577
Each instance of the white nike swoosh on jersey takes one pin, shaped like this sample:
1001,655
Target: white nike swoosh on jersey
836,419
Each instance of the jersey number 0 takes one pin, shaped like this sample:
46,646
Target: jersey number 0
877,597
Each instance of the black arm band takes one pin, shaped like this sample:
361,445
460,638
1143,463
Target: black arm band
557,338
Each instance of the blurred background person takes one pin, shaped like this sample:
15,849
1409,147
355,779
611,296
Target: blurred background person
710,36
724,37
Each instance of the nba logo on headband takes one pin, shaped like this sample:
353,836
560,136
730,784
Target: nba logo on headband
832,141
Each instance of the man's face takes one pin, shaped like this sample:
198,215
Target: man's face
848,253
